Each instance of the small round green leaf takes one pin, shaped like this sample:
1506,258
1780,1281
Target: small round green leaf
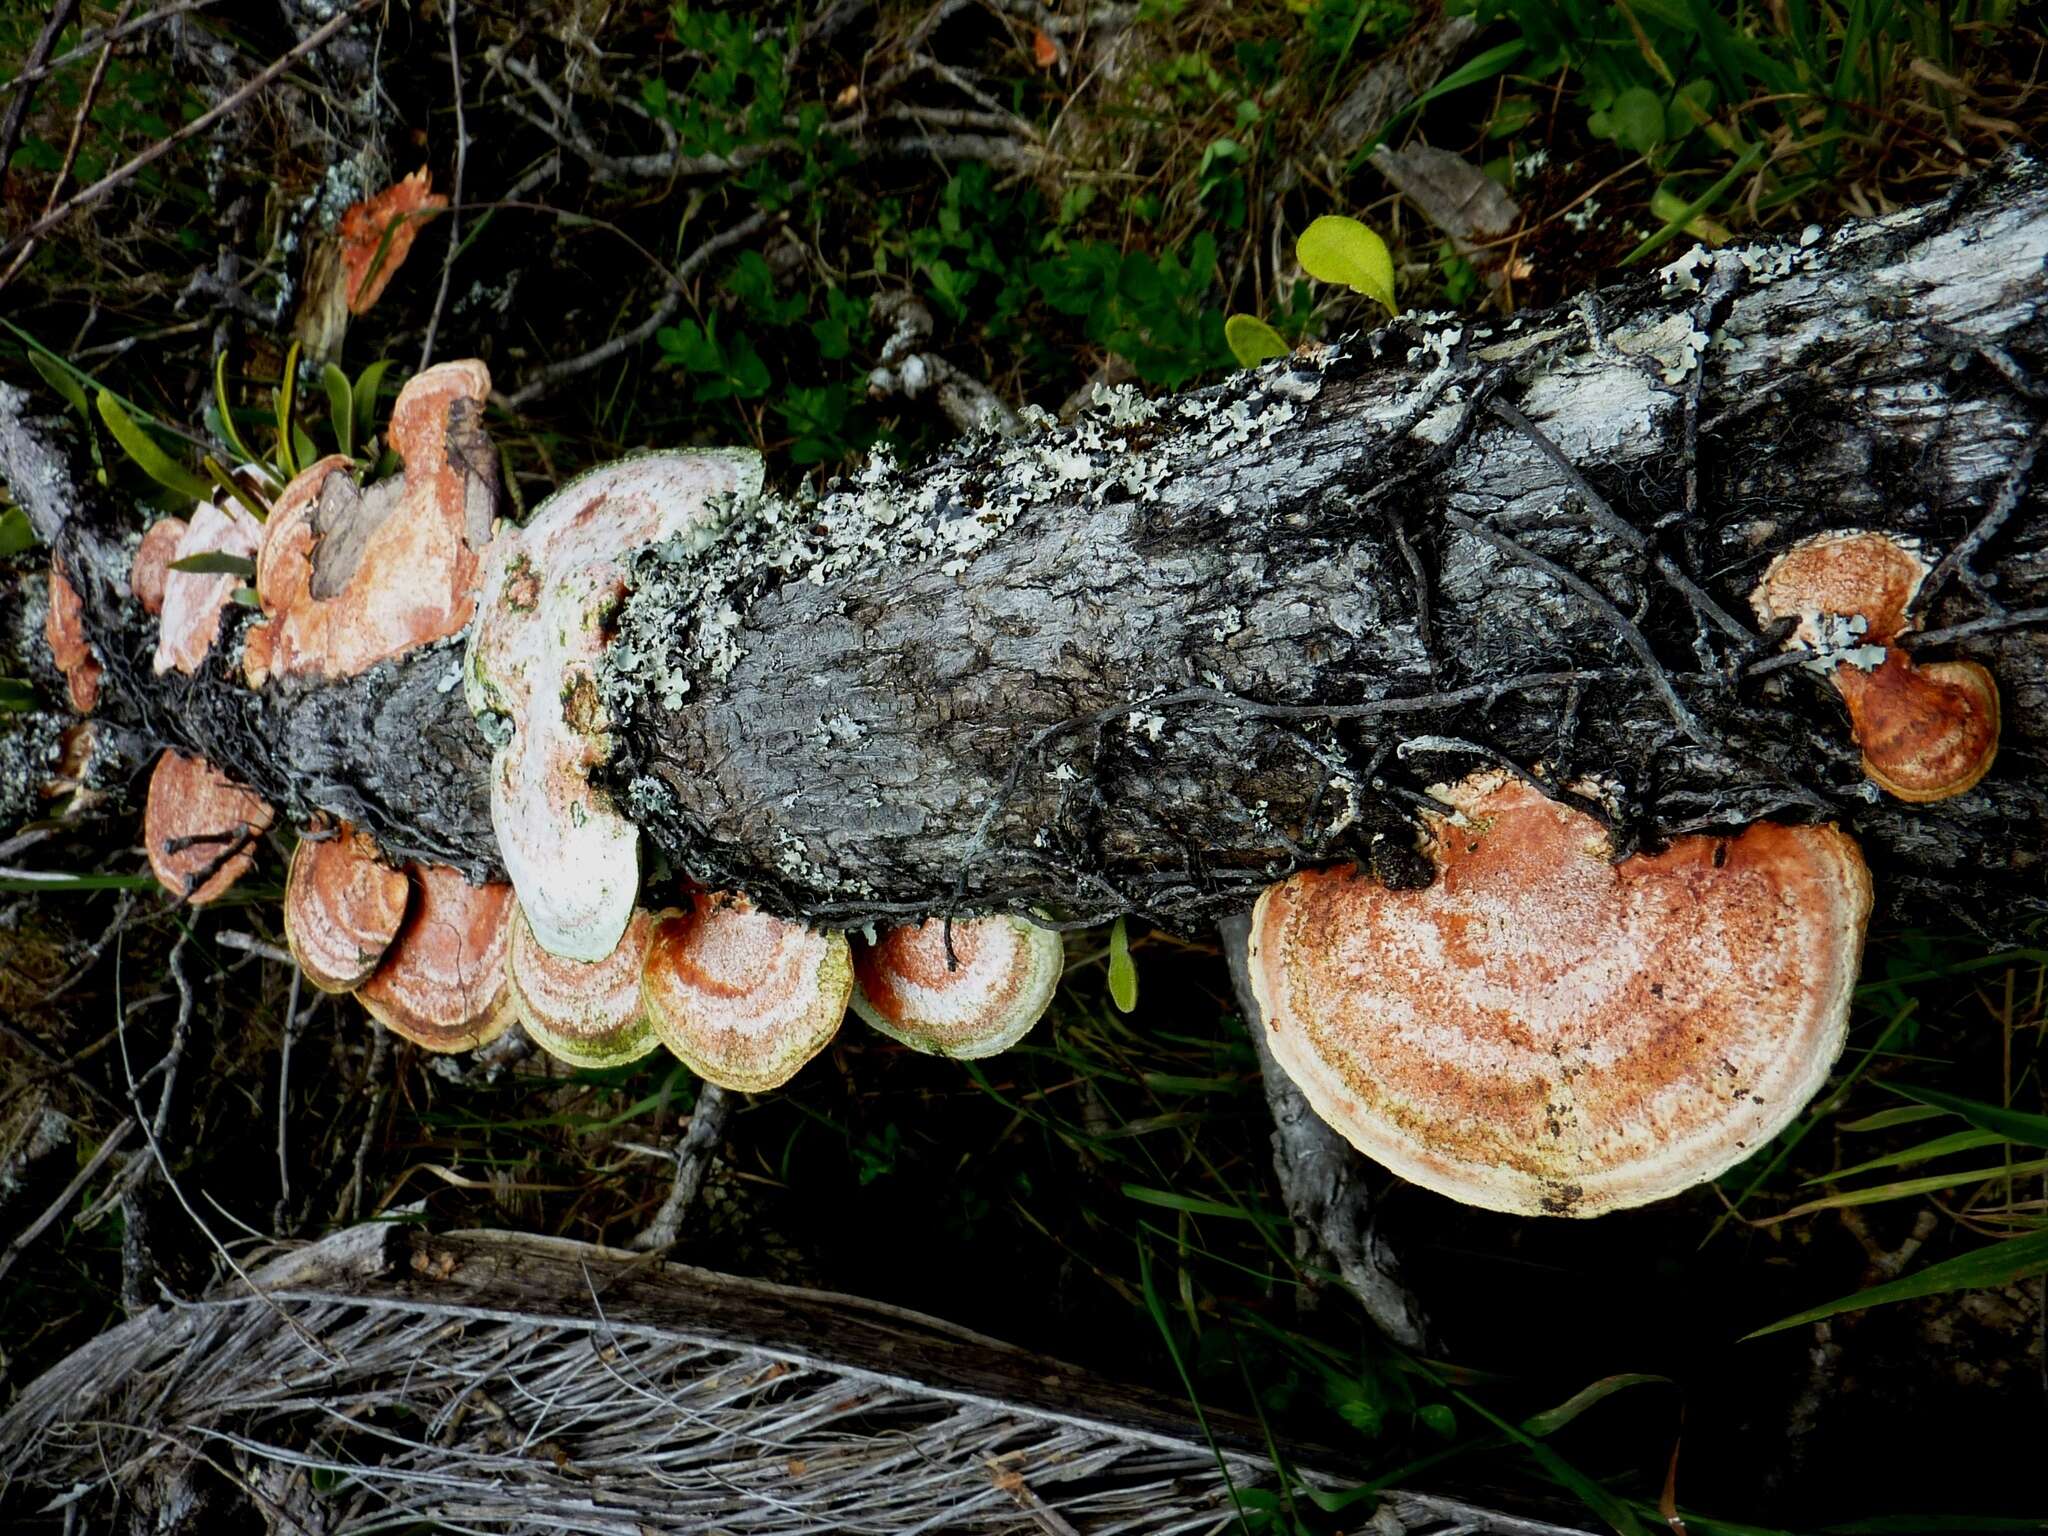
1335,249
1123,974
1252,341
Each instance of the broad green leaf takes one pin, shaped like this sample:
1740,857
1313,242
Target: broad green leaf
2006,1263
1636,120
341,408
142,448
1906,1189
1336,249
368,382
60,379
215,562
16,694
1252,341
2013,1124
1123,974
16,532
1552,1420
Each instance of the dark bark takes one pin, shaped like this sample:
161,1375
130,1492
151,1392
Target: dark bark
1153,661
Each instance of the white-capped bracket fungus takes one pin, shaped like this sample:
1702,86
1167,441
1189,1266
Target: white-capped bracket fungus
343,907
531,677
1928,730
743,998
199,827
588,1013
348,577
1543,1030
442,983
188,620
64,633
981,998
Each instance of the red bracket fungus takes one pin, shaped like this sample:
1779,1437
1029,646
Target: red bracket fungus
189,619
587,1013
199,828
1544,1031
1928,730
64,632
159,547
743,998
348,577
532,677
998,982
442,983
343,906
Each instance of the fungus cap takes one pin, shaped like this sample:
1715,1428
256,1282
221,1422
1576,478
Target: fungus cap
343,907
189,621
199,827
1544,1031
587,1013
350,576
159,547
64,632
744,999
532,669
442,983
1928,730
1006,973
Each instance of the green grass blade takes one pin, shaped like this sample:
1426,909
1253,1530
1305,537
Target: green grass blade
1885,1119
62,382
2012,1124
1941,1146
227,413
1552,1420
1698,205
1906,1189
1486,66
341,408
2006,1263
1614,1511
214,562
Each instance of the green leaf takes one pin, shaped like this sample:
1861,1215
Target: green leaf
1698,205
214,562
2006,1263
1123,975
1926,1151
286,397
227,414
368,382
1906,1189
16,694
1637,119
1335,249
2013,1124
1885,1119
341,408
16,532
223,481
60,379
1552,1420
1252,341
142,448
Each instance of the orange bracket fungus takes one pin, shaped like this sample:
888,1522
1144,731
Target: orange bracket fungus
1928,730
64,631
189,618
349,577
983,998
531,677
377,235
159,547
587,1013
342,908
199,828
743,998
442,983
1545,1031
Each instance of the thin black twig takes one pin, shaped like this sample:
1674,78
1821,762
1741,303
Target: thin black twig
455,198
2003,503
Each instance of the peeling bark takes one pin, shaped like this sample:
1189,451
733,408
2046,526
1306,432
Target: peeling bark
1153,661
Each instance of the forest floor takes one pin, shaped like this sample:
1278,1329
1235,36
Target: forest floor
698,225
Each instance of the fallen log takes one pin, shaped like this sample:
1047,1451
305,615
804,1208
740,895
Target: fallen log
1153,662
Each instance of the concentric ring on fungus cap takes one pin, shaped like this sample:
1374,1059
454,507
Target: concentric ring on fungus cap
1006,973
1545,1032
744,999
585,1012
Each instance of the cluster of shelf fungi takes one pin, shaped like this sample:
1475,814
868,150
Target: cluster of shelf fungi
1705,987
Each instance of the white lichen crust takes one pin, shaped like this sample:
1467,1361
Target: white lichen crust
550,592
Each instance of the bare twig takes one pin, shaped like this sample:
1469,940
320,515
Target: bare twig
62,1203
85,105
38,55
694,1152
205,120
455,200
96,37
